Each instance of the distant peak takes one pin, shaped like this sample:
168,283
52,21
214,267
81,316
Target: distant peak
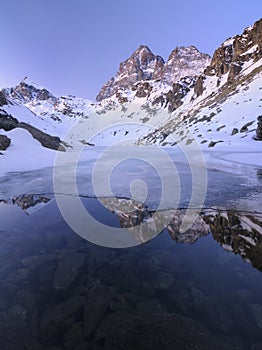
32,83
186,49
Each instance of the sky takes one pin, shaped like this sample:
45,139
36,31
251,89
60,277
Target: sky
75,46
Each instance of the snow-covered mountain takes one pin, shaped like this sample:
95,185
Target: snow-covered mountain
191,97
42,102
223,104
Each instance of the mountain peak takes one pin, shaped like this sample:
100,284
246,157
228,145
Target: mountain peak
143,65
30,82
185,61
143,48
28,90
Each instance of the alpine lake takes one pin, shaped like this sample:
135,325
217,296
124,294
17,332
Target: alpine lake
164,288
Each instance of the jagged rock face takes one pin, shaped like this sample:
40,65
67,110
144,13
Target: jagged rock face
179,91
143,65
184,61
199,85
27,91
3,100
142,89
174,98
234,52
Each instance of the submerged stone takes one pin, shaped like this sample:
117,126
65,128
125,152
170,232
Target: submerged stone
68,269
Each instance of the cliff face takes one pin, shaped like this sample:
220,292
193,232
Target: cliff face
231,56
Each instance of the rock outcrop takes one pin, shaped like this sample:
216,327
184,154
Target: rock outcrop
8,122
3,100
234,52
174,97
46,140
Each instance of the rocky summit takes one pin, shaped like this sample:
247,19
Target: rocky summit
143,65
184,61
28,91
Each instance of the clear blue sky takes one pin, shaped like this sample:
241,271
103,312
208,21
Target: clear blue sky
75,46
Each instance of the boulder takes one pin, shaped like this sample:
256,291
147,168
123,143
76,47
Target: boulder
199,88
7,122
4,142
234,131
158,331
60,317
68,269
46,140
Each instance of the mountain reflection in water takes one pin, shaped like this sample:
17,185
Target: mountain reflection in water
60,291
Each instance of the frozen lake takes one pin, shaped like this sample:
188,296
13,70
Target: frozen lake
60,291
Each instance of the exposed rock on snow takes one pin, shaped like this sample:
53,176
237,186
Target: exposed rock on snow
3,100
46,140
8,122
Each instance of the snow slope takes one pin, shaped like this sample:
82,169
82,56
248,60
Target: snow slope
24,153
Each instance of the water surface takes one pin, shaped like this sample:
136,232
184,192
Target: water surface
202,286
